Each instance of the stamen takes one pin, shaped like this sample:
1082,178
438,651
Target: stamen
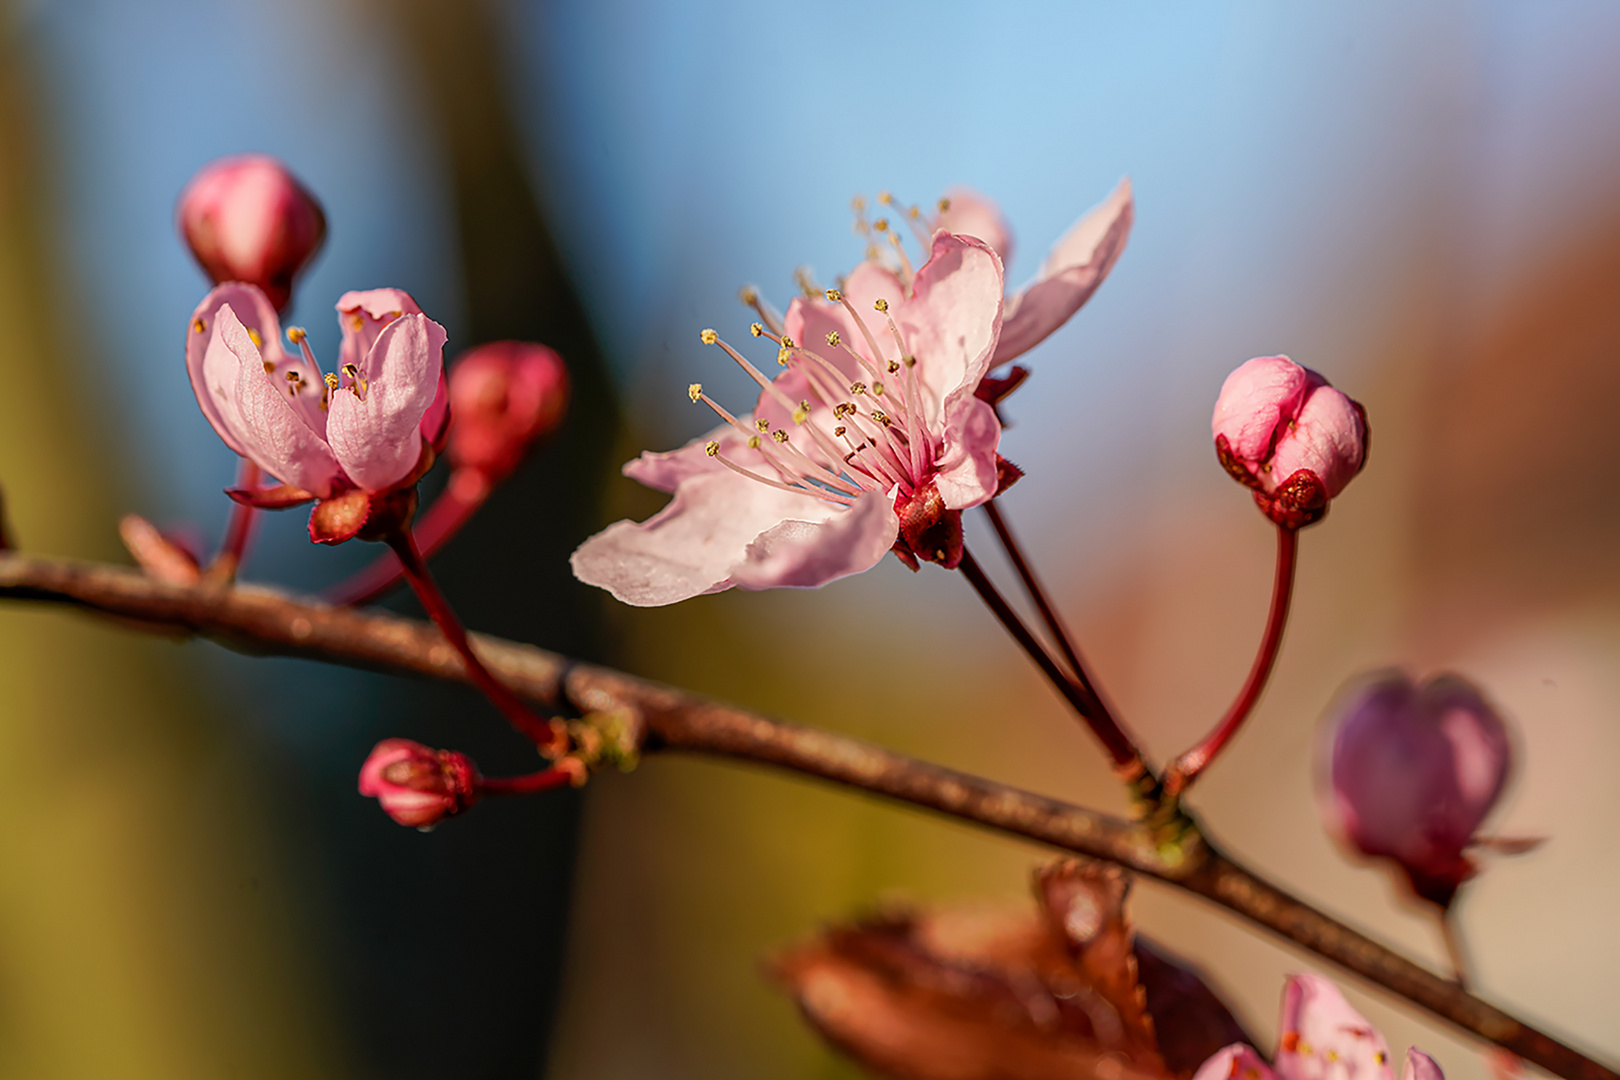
767,314
763,425
712,448
253,336
806,282
802,413
295,334
331,380
695,391
838,297
756,329
709,337
198,326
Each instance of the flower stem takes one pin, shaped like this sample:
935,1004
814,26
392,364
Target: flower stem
1049,615
1190,765
444,617
455,506
1127,759
237,532
1454,950
528,784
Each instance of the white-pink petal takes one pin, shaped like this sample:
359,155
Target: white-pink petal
377,438
1235,1062
273,433
952,320
1076,265
1324,1038
210,364
969,213
967,463
799,554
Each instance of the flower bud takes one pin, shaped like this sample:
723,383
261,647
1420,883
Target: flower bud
246,218
1409,772
1283,431
504,396
417,785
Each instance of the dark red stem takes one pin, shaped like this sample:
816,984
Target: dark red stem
238,531
1127,760
544,780
444,617
455,506
1188,766
1049,615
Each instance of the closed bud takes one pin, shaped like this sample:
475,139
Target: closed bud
504,397
417,785
248,219
1282,431
1409,772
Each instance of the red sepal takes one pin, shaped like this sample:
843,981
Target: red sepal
280,497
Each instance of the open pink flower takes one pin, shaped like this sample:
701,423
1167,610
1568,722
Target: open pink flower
869,439
348,439
1321,1036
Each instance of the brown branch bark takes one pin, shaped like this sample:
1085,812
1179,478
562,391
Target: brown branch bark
260,620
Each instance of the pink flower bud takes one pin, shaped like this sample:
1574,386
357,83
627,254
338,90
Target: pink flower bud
1409,772
1283,431
504,396
417,785
248,219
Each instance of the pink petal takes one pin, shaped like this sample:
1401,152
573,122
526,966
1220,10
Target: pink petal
378,438
1420,1066
1323,1038
1255,400
436,421
1328,438
951,321
809,554
665,470
362,316
1077,264
967,462
971,214
695,544
1236,1062
213,368
274,434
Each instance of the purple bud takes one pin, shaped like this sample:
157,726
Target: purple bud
1283,431
1411,771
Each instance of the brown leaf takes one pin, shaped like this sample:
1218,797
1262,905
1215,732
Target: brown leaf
1191,1020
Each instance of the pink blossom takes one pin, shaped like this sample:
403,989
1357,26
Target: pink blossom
248,219
1410,772
1074,268
347,439
870,438
1283,431
417,785
1321,1037
506,395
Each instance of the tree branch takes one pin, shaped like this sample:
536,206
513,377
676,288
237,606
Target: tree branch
260,620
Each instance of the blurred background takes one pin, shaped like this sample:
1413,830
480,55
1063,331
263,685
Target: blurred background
1420,200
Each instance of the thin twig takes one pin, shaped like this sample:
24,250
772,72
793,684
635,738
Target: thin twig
1121,747
1186,768
238,531
263,620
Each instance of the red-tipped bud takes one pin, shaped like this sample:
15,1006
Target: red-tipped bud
1283,431
417,785
246,218
504,397
1409,772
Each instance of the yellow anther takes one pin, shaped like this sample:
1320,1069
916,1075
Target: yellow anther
877,388
269,368
913,213
695,392
1331,1056
838,432
357,322
802,413
331,380
351,371
857,388
944,205
253,336
295,334
763,425
894,366
756,329
784,356
873,253
881,305
858,203
787,342
834,295
881,417
748,295
294,377
1305,1049
1380,1057
910,361
885,198
709,337
198,326
881,224
779,435
833,338
712,448
753,442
